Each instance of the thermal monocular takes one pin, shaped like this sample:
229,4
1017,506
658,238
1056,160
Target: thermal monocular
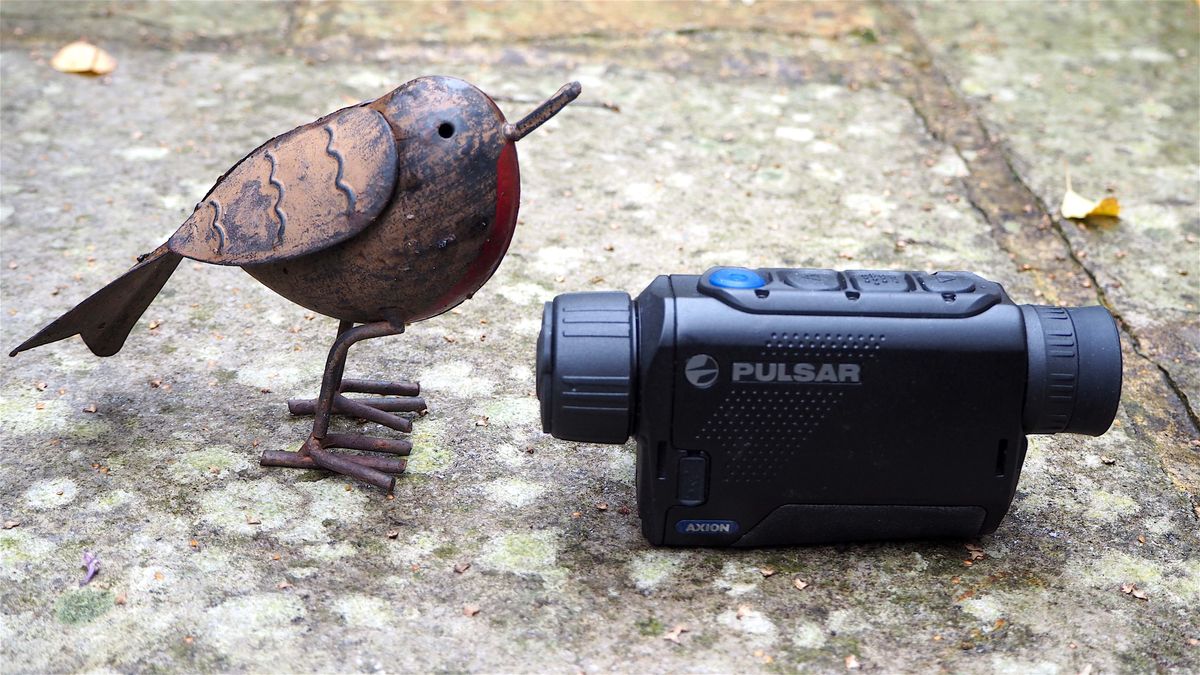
793,406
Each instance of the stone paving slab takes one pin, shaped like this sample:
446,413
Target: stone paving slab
816,135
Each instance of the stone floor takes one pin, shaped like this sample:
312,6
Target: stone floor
884,135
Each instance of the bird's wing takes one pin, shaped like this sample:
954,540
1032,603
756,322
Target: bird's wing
299,193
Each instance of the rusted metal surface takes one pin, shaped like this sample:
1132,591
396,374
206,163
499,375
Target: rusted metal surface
380,214
300,193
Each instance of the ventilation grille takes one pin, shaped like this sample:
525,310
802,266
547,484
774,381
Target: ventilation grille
763,427
824,345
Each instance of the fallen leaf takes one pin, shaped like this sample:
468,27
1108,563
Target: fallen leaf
766,571
392,534
763,657
283,585
120,599
976,551
852,662
10,524
84,58
40,386
188,639
253,520
462,567
92,563
742,611
90,408
1078,207
155,324
40,405
194,544
1139,594
799,583
470,610
624,510
674,633
159,576
601,506
482,421
1105,459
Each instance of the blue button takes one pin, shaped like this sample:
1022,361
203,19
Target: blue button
736,277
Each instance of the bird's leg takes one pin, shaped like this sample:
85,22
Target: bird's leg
403,398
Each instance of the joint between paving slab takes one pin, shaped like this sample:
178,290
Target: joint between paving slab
902,23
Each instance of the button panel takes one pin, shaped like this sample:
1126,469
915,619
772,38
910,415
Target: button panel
854,292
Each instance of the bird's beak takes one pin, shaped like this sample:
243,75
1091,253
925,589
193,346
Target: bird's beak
535,119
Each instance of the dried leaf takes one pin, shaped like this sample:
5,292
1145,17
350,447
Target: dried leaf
852,662
92,563
89,408
976,551
120,599
601,506
392,534
1105,459
253,520
766,571
155,324
743,610
159,576
283,585
10,524
799,583
1139,594
470,610
462,567
1076,206
40,386
674,633
84,58
482,421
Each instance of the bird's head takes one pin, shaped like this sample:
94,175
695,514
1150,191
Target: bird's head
450,124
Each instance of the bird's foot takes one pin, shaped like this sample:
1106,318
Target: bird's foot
314,454
396,397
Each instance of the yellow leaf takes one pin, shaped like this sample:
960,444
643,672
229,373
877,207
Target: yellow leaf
1075,205
82,57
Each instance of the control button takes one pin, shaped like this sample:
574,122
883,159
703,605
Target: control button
870,281
813,280
690,488
736,277
948,282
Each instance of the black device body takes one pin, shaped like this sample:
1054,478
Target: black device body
783,406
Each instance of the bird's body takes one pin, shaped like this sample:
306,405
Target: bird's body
384,213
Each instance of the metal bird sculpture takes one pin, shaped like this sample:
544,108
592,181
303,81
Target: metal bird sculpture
379,215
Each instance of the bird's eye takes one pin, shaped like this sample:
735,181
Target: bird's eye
445,130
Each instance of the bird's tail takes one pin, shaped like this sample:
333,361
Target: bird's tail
105,319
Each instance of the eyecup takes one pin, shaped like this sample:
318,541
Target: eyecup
585,367
1074,376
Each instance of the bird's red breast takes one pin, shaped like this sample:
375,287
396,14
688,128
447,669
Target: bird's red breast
500,233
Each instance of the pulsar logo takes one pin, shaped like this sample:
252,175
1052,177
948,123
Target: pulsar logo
842,373
706,527
701,370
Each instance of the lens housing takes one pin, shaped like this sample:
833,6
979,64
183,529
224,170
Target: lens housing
586,358
1074,378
